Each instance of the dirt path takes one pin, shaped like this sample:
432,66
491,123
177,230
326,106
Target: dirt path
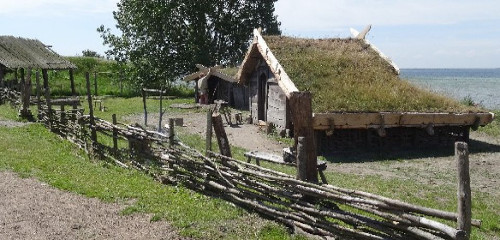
30,209
484,160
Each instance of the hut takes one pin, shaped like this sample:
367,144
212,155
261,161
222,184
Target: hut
219,84
358,99
24,55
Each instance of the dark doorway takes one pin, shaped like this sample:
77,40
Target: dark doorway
213,87
262,94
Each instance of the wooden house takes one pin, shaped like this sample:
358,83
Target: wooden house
358,99
24,55
221,85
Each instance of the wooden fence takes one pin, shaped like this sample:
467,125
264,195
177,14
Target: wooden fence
323,210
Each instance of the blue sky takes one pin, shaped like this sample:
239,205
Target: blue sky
415,34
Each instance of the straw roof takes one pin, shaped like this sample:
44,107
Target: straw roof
226,74
29,53
343,75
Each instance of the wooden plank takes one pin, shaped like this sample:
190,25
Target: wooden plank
93,133
208,135
281,76
222,140
324,121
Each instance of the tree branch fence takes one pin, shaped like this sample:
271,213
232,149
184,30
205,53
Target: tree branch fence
324,210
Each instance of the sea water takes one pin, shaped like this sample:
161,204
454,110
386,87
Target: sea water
480,85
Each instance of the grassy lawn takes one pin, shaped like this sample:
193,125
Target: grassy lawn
62,165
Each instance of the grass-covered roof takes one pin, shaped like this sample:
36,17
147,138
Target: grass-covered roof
347,75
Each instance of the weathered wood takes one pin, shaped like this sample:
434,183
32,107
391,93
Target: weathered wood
464,191
115,134
145,107
49,107
38,96
161,110
301,159
301,107
325,121
26,94
45,77
148,90
2,74
72,82
281,76
95,84
93,135
224,147
171,132
208,135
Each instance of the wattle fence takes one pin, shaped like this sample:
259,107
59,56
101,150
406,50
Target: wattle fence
323,210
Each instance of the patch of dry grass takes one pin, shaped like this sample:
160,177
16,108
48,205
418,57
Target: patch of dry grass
346,75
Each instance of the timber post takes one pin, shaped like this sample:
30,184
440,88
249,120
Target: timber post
38,96
73,93
115,135
161,109
26,94
49,107
301,107
45,77
2,73
93,133
218,125
301,159
171,132
95,84
145,107
464,192
208,135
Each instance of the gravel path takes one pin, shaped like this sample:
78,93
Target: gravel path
30,209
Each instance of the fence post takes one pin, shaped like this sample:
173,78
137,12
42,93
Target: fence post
115,135
161,109
301,107
171,132
63,118
464,191
49,107
93,136
224,147
208,135
38,96
95,84
301,159
1,77
145,108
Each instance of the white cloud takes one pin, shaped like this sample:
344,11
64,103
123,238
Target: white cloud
323,15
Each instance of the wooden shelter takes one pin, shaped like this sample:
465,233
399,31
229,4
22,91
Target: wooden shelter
339,73
22,54
221,85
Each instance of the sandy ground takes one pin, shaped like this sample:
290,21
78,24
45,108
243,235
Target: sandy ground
30,209
430,169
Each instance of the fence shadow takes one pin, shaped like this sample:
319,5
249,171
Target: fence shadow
362,155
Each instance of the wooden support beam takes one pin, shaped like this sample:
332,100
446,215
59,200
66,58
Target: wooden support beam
93,135
171,132
49,107
301,107
208,135
161,110
2,75
464,192
95,84
115,135
45,77
145,107
224,147
38,95
72,82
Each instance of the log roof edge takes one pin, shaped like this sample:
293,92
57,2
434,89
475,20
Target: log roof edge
17,52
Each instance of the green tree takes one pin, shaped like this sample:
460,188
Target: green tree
164,39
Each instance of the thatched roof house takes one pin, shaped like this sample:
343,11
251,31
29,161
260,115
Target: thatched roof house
353,86
27,54
221,85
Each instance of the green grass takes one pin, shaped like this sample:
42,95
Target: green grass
346,75
63,166
492,129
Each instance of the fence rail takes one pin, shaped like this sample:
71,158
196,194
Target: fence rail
324,210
